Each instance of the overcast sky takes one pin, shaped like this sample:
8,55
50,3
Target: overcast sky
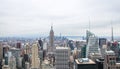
69,17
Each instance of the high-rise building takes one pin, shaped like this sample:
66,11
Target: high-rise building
93,46
35,59
16,53
1,54
112,33
5,67
20,62
62,57
27,65
109,60
12,62
75,53
1,51
83,51
88,34
40,43
84,63
99,63
103,50
102,41
51,39
117,65
18,45
27,49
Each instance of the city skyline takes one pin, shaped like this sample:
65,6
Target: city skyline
69,17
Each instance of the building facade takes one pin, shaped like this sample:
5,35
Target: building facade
51,39
110,60
84,63
35,58
93,46
1,51
62,58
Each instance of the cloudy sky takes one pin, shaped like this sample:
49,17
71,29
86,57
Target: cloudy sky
68,17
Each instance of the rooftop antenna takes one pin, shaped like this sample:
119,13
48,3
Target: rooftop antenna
112,36
51,25
89,24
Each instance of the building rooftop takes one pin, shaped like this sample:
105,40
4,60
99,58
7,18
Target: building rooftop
110,52
84,61
62,48
100,60
13,48
118,63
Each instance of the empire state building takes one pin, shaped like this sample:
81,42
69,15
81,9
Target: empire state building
51,38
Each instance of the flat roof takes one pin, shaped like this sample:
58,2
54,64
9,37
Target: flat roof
118,63
89,62
62,48
110,52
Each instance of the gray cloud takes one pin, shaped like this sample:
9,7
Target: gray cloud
32,16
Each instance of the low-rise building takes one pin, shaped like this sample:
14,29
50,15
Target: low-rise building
85,63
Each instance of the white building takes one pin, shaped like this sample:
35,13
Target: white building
93,46
35,58
62,57
109,60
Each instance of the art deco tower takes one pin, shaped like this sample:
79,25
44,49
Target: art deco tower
35,58
51,38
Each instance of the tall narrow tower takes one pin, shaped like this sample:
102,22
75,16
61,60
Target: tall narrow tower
51,38
35,59
112,38
1,51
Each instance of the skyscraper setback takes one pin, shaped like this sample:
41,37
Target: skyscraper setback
51,39
35,59
93,45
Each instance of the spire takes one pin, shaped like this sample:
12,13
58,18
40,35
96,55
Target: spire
112,38
89,24
51,27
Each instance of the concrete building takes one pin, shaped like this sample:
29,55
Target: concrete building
1,51
76,53
83,51
102,41
103,50
117,65
27,65
12,62
51,39
110,60
93,46
5,67
95,56
20,62
27,48
35,58
62,58
99,63
84,63
16,53
88,34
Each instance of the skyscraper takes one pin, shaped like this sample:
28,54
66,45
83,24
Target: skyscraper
27,48
35,59
51,39
1,51
40,43
112,36
110,60
93,46
62,57
88,34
